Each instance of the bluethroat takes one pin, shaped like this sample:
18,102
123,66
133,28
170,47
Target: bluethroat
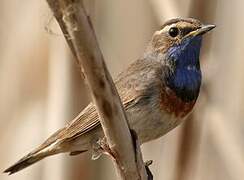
158,91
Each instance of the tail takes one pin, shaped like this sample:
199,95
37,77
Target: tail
48,148
26,161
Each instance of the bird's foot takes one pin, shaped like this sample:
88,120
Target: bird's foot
101,147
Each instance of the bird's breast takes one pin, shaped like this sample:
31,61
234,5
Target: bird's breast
173,104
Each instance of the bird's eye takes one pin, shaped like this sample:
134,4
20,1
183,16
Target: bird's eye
173,32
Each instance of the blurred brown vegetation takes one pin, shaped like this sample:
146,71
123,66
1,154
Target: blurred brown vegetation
41,88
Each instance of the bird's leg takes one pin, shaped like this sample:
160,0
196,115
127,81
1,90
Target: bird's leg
101,147
149,173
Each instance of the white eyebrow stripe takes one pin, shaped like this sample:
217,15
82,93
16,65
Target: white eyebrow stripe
166,28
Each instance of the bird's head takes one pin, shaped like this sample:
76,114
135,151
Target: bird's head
179,32
177,45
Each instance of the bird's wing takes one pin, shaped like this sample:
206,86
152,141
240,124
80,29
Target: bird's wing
87,120
130,85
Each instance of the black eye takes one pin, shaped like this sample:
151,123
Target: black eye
173,32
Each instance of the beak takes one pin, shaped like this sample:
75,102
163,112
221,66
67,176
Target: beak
204,29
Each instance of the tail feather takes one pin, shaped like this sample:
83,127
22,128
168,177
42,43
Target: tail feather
48,148
26,161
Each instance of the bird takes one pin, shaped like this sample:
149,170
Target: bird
157,91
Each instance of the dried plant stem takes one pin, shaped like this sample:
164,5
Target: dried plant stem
81,38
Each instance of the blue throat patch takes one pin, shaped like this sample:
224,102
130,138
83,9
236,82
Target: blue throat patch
185,79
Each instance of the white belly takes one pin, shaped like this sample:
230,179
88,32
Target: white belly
152,124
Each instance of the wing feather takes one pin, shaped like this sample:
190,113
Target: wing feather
130,89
